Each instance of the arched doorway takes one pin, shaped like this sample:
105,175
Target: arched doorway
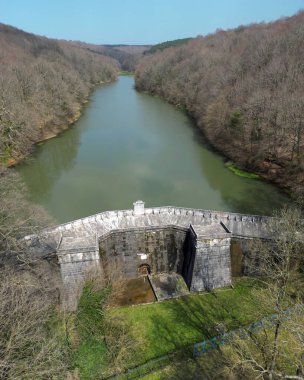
144,269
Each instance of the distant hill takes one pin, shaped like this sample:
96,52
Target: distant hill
127,55
130,49
167,44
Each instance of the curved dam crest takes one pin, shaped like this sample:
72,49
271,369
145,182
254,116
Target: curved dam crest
195,244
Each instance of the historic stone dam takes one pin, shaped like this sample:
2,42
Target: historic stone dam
196,244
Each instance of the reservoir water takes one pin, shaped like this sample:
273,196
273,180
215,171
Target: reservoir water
128,146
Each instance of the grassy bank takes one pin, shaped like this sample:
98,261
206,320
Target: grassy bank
158,328
241,173
218,364
177,323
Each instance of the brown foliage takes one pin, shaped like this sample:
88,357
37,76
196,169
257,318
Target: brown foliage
112,277
27,350
29,291
43,83
277,352
244,87
18,217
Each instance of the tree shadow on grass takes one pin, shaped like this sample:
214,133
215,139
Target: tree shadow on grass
193,319
188,321
208,367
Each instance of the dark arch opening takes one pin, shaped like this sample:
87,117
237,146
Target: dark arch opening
144,269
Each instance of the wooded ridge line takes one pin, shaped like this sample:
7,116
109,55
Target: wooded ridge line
43,85
244,88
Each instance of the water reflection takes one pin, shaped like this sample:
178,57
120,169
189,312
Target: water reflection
239,194
130,146
52,159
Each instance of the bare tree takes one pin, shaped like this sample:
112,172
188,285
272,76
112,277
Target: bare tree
277,351
18,217
43,84
28,348
244,89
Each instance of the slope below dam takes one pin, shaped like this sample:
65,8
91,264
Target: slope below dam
128,146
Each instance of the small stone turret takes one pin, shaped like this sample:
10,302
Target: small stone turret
139,208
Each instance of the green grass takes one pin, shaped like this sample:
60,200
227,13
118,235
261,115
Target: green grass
163,327
126,73
91,358
216,364
167,326
242,173
90,354
159,328
183,367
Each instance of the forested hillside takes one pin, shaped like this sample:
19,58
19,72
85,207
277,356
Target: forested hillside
43,84
167,44
127,55
245,89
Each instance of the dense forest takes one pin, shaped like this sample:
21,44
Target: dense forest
245,89
128,56
43,84
167,44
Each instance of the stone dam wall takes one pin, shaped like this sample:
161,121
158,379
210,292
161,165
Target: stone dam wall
161,248
194,243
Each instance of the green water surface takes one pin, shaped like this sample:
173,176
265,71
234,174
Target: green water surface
128,146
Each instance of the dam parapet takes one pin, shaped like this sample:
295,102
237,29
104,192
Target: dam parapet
191,242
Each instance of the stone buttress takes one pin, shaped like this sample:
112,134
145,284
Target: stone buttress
191,242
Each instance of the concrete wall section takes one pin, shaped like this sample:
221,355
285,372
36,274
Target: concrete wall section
212,264
160,248
75,267
212,267
239,224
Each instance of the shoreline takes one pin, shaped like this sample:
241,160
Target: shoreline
54,131
46,135
283,184
287,186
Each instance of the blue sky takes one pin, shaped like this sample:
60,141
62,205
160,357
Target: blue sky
138,21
